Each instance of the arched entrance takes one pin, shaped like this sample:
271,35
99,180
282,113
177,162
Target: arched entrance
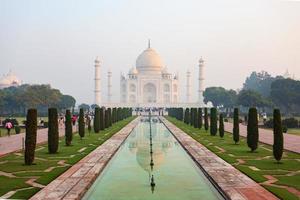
149,93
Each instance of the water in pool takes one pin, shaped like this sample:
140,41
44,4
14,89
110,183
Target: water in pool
128,175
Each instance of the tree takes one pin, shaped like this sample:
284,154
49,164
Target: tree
68,128
106,118
53,135
84,106
102,118
109,117
221,126
285,93
66,102
81,124
219,96
206,125
236,126
213,121
196,118
200,120
97,120
252,129
187,116
93,106
114,115
278,136
30,137
260,82
249,98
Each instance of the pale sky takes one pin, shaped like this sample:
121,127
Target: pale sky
57,41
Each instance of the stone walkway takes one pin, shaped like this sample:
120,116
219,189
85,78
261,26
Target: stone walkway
14,143
235,184
73,184
291,142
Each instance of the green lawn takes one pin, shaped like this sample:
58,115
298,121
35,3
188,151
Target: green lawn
14,163
257,164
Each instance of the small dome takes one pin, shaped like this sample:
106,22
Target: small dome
165,71
133,71
149,60
10,80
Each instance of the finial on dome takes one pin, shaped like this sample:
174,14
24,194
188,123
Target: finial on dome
149,44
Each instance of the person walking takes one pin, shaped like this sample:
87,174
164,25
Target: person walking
8,126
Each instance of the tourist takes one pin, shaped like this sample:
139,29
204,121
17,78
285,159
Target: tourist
8,126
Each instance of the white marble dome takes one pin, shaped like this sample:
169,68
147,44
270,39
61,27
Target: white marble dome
149,60
9,80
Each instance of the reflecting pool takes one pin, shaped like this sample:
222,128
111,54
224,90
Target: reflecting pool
155,155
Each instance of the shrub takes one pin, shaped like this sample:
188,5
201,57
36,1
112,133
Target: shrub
290,122
206,125
97,120
236,126
200,120
46,125
225,120
221,126
81,124
17,129
278,136
109,117
213,121
196,118
52,130
114,115
30,136
68,128
106,116
252,129
89,124
284,129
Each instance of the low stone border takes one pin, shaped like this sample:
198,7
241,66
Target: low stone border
73,183
235,185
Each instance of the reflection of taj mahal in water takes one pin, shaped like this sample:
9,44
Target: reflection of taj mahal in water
149,84
138,143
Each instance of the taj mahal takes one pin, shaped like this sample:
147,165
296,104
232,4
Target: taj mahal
149,84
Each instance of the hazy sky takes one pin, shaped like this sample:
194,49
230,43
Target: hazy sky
57,41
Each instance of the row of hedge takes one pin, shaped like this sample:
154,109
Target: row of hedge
103,118
194,117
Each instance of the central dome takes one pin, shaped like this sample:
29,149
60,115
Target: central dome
149,60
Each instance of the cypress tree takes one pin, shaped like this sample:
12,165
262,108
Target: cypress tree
213,121
89,124
196,118
236,126
68,128
114,115
97,120
102,118
192,120
81,124
206,125
30,137
109,117
200,121
278,135
187,115
106,124
221,126
252,129
53,134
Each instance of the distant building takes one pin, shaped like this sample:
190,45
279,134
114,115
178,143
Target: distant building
9,80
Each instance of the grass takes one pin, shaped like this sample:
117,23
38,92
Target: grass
287,172
3,131
14,163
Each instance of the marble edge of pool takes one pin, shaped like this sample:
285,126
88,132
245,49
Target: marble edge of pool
75,182
230,182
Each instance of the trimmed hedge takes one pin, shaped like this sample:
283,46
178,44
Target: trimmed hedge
278,135
52,130
236,126
221,126
30,136
206,125
68,128
213,122
252,129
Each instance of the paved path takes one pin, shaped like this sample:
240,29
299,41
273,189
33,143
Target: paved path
291,142
235,185
73,183
14,143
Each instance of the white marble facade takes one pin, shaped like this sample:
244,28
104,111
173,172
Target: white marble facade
149,82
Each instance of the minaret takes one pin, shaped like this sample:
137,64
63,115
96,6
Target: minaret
109,86
97,82
188,86
201,81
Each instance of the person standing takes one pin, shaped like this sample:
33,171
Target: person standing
8,126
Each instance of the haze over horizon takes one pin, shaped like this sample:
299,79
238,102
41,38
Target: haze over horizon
56,42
